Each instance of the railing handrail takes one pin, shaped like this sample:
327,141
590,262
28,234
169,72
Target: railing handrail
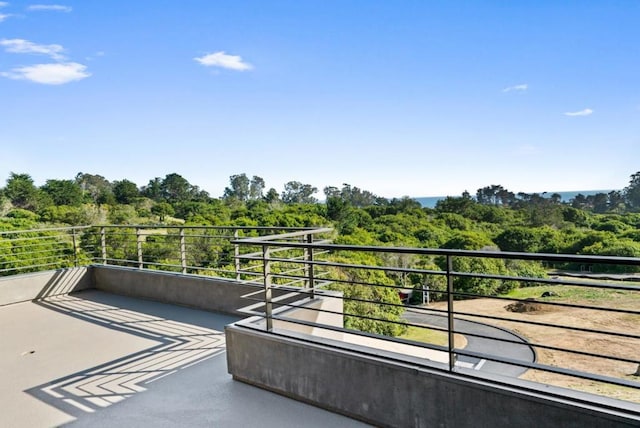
50,229
173,226
280,260
497,254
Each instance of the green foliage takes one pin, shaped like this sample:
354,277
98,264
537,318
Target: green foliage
71,215
33,251
21,191
632,191
575,216
599,224
383,303
95,188
477,285
611,225
162,210
122,214
614,247
22,214
125,191
63,192
431,236
351,196
495,195
465,240
454,221
239,188
520,239
524,269
298,193
435,284
455,205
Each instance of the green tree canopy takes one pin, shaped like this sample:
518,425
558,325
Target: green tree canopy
296,192
632,191
21,191
125,191
63,192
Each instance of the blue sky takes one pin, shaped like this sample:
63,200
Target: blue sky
414,98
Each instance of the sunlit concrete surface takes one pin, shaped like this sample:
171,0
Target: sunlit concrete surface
96,359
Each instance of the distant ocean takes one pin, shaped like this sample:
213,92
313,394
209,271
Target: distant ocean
430,201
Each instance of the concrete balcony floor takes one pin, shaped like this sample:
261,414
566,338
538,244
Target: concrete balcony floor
95,359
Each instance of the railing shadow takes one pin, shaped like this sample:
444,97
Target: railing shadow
182,341
63,281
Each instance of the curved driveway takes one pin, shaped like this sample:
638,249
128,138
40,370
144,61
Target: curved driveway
516,351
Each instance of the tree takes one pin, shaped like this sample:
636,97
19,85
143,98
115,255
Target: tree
95,187
466,240
272,196
125,191
632,191
298,193
21,191
616,201
477,285
520,239
337,208
175,188
153,190
162,210
63,192
600,202
495,195
367,308
239,188
256,188
458,205
353,195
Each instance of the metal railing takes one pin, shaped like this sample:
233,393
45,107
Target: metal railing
201,250
549,339
588,308
33,250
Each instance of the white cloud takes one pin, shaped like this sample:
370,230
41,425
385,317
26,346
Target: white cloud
27,47
4,16
49,74
221,59
3,4
520,88
51,7
585,112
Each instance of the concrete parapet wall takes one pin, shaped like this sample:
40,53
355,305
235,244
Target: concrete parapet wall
326,309
212,294
30,286
391,394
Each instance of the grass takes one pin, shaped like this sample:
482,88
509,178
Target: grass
573,294
433,337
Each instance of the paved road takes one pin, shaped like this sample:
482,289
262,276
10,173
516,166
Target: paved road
515,351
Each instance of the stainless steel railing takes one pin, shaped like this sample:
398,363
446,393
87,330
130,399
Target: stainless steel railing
587,337
33,250
589,309
203,250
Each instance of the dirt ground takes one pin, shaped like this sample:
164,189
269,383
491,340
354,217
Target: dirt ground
575,340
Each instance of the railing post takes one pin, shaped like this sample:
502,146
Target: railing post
267,287
308,256
103,244
75,247
139,245
236,255
183,251
450,319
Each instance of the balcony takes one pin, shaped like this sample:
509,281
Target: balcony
140,325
